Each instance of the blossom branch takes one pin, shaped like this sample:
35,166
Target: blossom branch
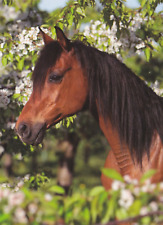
135,218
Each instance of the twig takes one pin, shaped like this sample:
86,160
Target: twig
160,222
9,87
131,219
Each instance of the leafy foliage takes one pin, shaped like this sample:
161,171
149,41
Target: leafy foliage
127,199
135,36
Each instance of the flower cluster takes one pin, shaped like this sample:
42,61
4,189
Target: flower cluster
25,41
24,86
12,200
28,41
130,197
17,83
106,37
131,190
9,13
156,87
4,98
126,198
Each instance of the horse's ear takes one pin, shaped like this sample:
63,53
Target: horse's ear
62,39
46,38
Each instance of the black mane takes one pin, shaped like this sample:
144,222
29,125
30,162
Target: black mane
132,107
48,57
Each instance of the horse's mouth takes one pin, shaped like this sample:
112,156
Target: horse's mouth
56,120
40,136
41,133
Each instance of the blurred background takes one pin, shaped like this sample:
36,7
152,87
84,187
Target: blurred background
137,41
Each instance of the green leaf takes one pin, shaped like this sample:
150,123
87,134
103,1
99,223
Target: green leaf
20,64
146,220
7,2
161,42
121,214
57,189
17,95
32,148
4,60
147,175
10,57
113,174
143,2
58,125
70,20
80,11
135,208
4,218
111,207
94,209
3,179
96,191
86,215
147,54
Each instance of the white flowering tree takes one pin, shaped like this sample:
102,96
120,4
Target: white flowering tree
119,30
17,58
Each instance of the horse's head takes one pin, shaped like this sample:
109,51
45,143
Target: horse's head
59,89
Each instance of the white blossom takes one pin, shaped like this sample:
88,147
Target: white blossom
148,186
28,41
156,88
5,185
48,197
4,193
24,85
161,186
9,12
130,180
126,198
4,99
109,38
11,125
15,198
32,208
153,205
26,178
1,149
140,46
136,191
116,185
20,216
19,156
144,210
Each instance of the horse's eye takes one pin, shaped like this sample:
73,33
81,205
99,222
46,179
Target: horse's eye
55,78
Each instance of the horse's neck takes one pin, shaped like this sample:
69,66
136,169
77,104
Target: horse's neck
121,152
123,157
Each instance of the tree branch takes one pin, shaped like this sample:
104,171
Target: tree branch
132,219
9,87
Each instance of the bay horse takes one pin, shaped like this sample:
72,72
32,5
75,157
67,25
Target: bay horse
70,77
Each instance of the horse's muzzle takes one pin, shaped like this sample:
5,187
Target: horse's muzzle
31,134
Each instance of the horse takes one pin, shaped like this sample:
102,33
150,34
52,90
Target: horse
69,77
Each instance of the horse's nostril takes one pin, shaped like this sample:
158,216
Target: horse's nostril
24,130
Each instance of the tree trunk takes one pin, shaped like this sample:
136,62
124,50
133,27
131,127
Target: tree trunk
66,162
8,164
